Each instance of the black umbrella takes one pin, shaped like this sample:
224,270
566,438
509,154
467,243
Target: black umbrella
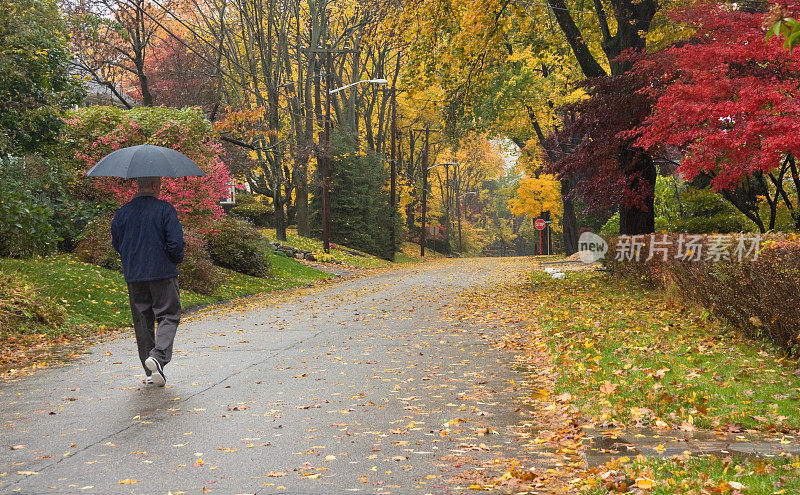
145,160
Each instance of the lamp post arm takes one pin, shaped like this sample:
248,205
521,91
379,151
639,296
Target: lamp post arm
373,81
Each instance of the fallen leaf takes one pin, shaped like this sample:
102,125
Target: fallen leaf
737,486
608,388
645,483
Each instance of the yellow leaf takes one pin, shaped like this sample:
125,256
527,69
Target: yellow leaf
645,483
128,481
541,393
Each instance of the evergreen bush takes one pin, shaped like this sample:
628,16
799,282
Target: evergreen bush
255,212
25,225
236,244
360,212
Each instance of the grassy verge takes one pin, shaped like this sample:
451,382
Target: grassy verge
628,356
351,257
408,253
97,298
699,475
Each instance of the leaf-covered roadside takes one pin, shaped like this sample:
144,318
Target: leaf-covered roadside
696,475
558,439
612,354
629,356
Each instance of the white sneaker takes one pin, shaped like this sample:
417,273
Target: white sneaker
148,380
157,376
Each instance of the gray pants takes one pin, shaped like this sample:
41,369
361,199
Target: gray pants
155,301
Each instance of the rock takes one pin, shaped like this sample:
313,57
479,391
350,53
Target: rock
559,275
310,257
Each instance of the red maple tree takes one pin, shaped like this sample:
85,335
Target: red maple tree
730,100
180,76
593,150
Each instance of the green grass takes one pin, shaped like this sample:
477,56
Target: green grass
340,253
95,296
627,355
700,475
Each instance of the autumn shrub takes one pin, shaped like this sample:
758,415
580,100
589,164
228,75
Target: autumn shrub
23,309
93,132
757,292
237,245
255,212
94,244
198,272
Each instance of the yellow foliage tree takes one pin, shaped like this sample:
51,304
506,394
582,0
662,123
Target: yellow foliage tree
536,195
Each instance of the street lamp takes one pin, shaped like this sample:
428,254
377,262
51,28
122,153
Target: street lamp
325,169
379,82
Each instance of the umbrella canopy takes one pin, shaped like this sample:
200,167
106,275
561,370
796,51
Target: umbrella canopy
145,160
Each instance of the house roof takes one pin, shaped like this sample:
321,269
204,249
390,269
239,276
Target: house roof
100,94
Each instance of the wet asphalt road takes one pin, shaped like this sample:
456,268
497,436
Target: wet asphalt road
369,385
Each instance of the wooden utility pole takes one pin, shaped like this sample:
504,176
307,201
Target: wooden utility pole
393,179
326,162
326,147
424,192
458,205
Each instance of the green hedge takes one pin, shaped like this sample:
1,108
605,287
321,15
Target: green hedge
249,209
759,293
236,244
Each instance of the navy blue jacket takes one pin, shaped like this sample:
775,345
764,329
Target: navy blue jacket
148,236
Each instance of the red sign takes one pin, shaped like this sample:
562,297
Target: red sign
539,224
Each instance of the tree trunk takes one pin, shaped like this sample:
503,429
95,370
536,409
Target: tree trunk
147,97
277,205
411,207
634,220
569,220
301,198
633,19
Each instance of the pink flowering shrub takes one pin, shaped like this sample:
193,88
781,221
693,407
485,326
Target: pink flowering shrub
93,132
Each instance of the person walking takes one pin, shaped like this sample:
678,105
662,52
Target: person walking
148,236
